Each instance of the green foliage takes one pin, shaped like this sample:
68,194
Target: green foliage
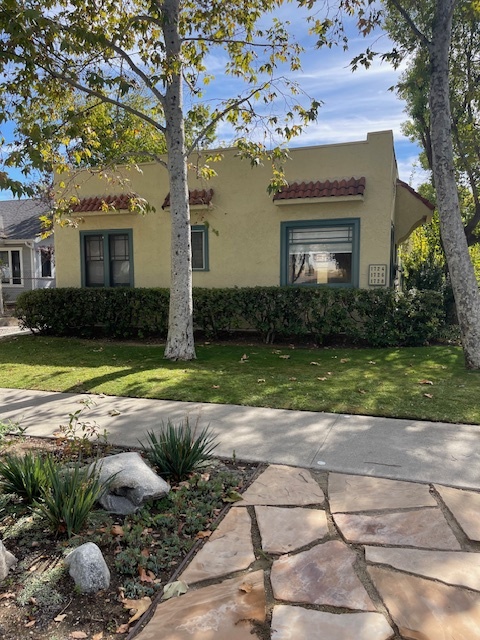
24,475
70,497
82,436
177,450
367,317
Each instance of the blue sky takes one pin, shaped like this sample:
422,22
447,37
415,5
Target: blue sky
354,103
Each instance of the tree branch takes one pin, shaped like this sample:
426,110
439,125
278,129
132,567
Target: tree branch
406,16
222,114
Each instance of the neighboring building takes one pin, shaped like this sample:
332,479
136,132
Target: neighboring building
26,261
337,224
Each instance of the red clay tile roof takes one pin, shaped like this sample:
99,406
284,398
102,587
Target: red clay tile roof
197,196
416,194
96,203
327,189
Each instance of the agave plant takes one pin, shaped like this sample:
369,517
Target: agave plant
177,449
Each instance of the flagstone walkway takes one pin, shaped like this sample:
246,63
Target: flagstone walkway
333,557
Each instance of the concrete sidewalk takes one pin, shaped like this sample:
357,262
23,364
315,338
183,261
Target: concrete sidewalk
382,447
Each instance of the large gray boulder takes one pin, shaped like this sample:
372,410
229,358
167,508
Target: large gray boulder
132,484
88,568
7,561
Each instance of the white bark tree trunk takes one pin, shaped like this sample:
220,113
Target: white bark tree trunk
180,342
464,284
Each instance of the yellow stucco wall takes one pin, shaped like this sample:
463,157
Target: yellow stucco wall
244,233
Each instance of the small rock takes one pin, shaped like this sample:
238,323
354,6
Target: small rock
7,561
88,568
134,483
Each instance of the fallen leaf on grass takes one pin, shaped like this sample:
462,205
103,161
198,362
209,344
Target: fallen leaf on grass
276,351
244,357
284,357
292,379
261,380
140,607
246,587
31,623
322,379
78,635
215,386
361,391
317,364
174,589
372,362
8,594
428,395
344,360
60,618
425,382
145,553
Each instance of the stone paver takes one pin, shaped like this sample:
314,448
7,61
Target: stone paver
280,485
426,584
322,575
229,549
427,610
453,567
285,530
357,493
465,506
425,528
302,624
222,610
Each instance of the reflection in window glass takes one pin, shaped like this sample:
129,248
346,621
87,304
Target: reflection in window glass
198,249
320,255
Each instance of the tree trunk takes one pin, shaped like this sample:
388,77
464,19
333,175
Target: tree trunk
464,284
180,343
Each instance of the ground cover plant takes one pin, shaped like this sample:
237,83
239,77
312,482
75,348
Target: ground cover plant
143,551
428,383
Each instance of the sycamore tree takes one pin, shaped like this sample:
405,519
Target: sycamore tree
425,28
109,50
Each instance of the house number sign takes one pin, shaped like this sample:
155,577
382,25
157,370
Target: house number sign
377,275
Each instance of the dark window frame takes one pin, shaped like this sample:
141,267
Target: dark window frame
107,234
203,229
286,227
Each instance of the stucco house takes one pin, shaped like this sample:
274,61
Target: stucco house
26,260
338,223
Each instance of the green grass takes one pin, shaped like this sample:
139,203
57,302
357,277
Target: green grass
381,382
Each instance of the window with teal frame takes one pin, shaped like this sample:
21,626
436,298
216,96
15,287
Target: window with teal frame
199,247
107,258
320,252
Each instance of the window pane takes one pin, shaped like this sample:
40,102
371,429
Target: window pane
16,268
46,260
320,255
198,258
94,271
119,260
5,267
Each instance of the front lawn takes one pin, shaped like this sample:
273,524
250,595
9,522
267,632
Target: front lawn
427,383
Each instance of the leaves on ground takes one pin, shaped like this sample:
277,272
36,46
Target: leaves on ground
426,382
141,605
78,635
60,618
428,395
174,589
232,496
246,587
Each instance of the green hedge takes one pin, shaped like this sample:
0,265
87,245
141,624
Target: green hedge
376,318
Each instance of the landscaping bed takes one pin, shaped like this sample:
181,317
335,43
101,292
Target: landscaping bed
143,551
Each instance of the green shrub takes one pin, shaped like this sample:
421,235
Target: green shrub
24,475
375,317
177,450
70,496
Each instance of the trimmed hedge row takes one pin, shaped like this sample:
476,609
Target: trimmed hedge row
376,318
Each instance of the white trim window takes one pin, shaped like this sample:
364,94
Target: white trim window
11,267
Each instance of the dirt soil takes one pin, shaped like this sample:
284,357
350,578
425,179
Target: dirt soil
38,599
